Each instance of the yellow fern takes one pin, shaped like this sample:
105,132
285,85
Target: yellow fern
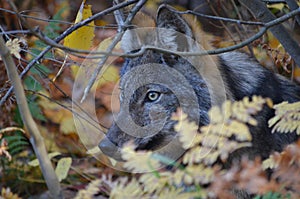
287,118
7,194
226,132
90,191
139,161
127,189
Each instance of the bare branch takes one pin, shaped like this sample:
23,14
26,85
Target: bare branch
226,49
263,14
274,1
262,31
36,138
117,38
264,28
220,18
293,6
89,120
62,36
15,32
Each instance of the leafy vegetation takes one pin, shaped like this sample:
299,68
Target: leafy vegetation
198,174
202,172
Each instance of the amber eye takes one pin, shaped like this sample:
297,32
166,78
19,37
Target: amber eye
153,95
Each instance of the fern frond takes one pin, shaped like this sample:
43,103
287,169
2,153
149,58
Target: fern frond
90,190
7,194
226,132
127,189
287,118
138,161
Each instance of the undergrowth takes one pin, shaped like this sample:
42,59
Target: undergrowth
200,172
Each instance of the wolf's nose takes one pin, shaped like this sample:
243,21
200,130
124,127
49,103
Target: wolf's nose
110,149
107,147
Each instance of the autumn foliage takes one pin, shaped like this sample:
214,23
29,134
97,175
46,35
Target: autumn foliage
205,170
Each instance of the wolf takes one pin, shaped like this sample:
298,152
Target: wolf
151,104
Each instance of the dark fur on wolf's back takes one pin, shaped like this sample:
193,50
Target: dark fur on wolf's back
242,76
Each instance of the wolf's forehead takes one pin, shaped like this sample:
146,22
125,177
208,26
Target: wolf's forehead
134,39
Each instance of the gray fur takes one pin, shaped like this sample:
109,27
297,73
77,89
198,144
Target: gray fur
241,76
241,66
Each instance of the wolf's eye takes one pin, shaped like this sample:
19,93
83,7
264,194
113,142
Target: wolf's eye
153,95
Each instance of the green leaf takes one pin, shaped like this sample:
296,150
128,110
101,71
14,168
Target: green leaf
52,30
38,68
36,111
32,84
40,45
63,167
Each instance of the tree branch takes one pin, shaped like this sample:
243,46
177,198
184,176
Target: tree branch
263,14
274,1
220,18
62,36
293,6
114,42
264,28
226,49
36,138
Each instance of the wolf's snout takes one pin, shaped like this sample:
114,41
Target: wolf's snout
107,147
110,149
113,141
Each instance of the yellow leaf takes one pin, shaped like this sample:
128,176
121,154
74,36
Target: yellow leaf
35,162
82,37
74,68
58,115
111,74
63,167
278,6
273,42
67,125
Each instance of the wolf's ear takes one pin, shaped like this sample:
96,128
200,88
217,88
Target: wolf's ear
134,39
178,31
169,19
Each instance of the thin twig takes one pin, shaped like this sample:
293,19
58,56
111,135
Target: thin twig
62,36
37,32
262,13
226,49
53,43
89,120
36,138
274,1
106,53
220,18
114,42
293,6
15,32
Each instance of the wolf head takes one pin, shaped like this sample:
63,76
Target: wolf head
154,84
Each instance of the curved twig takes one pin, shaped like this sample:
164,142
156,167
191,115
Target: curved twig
114,42
62,36
36,138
